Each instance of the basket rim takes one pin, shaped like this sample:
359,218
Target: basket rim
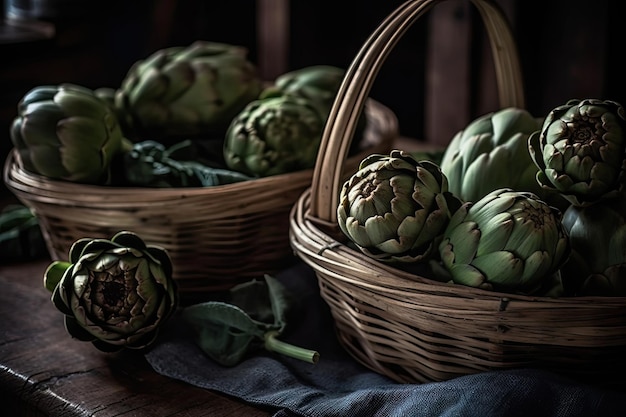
382,130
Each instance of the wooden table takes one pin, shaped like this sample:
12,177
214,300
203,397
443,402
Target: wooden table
45,372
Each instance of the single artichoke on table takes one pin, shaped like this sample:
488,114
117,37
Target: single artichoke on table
598,238
183,91
492,153
508,240
274,135
580,151
114,293
395,208
67,132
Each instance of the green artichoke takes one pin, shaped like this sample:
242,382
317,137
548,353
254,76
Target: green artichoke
491,153
114,293
318,83
508,241
274,135
66,132
193,90
395,208
597,235
580,150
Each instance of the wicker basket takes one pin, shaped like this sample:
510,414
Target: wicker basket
414,329
217,236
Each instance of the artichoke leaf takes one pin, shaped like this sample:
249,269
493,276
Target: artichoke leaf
223,331
501,267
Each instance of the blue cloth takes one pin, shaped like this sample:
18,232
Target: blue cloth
339,386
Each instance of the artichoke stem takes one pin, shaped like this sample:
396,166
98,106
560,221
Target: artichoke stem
54,274
274,345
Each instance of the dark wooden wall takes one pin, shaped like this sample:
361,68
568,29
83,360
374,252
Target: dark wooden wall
568,49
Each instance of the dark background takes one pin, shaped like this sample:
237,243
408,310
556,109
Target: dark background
569,49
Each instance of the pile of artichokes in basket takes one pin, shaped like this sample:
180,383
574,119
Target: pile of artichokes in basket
198,115
514,203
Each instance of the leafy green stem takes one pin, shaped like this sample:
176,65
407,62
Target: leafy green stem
54,273
287,349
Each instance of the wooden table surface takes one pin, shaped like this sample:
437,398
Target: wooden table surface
45,372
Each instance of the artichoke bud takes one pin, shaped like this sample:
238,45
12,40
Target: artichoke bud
508,240
394,208
598,239
580,151
275,135
317,83
114,293
67,132
492,153
183,91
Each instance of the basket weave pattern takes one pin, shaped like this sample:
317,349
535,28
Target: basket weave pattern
414,329
217,237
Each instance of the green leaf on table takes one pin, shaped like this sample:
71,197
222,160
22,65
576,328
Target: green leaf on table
252,320
223,331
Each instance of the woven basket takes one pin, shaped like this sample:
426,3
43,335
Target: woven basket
216,236
414,329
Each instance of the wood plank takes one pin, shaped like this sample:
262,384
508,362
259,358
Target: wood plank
447,91
565,51
273,34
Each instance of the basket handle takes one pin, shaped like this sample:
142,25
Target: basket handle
358,81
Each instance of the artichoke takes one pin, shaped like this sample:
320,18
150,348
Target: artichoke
67,132
580,151
193,90
274,135
508,241
395,208
114,293
318,83
491,153
597,235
